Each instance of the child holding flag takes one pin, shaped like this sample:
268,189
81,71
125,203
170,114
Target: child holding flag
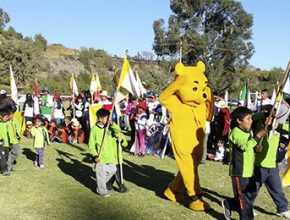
242,158
106,157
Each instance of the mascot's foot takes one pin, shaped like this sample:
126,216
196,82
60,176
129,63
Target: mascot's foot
173,195
199,205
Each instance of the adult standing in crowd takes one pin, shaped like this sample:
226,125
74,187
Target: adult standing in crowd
28,108
46,103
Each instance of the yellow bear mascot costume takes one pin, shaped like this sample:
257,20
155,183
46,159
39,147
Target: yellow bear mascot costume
189,100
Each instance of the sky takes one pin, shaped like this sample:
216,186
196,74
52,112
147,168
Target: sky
119,25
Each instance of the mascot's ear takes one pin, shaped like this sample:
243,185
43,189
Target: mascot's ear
201,66
179,69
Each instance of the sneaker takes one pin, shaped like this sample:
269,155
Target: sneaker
226,208
109,187
106,195
41,166
285,214
6,173
35,163
123,189
255,214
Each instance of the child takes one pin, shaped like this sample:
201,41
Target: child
219,152
107,157
242,158
141,123
5,112
14,137
282,149
266,170
40,134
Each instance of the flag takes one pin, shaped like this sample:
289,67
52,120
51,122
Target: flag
226,98
141,88
35,98
73,85
93,85
13,86
243,96
127,79
243,93
92,113
286,176
98,83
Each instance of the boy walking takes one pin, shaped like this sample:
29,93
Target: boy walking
266,169
107,157
242,158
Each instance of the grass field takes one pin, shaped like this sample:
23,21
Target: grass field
65,189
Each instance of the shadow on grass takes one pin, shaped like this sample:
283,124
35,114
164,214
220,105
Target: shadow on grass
80,172
30,155
76,146
147,177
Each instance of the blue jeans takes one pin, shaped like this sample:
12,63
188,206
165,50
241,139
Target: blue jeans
271,178
39,156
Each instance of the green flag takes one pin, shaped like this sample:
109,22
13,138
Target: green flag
243,94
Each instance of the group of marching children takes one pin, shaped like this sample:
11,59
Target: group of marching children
256,144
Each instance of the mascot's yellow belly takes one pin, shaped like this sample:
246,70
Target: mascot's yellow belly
187,127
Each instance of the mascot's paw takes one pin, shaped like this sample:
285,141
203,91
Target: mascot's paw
173,195
199,205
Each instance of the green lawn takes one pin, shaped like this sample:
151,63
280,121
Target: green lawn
65,189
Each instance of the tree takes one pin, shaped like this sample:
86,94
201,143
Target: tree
214,31
40,42
4,18
22,56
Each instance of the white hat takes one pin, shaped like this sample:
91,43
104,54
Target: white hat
2,92
105,93
221,104
29,123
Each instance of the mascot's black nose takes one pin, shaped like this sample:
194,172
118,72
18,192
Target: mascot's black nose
204,95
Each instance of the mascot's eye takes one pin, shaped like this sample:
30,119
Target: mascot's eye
194,89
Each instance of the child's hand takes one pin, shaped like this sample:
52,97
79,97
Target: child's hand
259,148
261,133
97,159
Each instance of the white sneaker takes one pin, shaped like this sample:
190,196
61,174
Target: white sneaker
41,166
226,208
255,214
285,214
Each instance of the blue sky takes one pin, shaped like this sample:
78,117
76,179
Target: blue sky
117,25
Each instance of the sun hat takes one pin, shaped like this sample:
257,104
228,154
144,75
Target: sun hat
105,93
46,89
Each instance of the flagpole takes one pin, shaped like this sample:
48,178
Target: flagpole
73,97
279,91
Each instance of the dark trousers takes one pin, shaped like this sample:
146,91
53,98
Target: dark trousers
244,196
270,177
4,153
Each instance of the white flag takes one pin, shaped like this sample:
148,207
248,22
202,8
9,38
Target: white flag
140,86
13,86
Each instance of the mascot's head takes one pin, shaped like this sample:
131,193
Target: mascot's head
195,90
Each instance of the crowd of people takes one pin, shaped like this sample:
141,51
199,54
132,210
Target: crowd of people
253,156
